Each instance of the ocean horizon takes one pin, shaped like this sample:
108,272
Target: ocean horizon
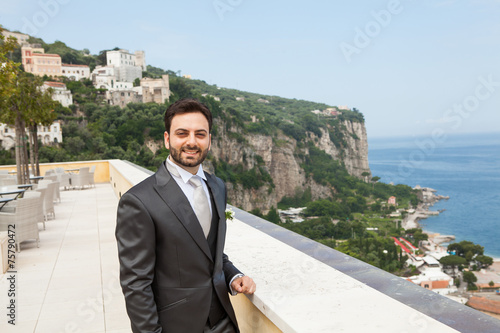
465,167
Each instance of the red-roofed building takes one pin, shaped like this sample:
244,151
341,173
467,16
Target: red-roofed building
392,200
37,62
59,92
434,279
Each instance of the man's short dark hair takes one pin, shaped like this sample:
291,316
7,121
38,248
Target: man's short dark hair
187,105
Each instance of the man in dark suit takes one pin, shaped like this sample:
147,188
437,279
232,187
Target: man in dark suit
173,272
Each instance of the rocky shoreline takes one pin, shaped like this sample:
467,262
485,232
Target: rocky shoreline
428,197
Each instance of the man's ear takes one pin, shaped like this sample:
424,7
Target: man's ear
167,140
209,141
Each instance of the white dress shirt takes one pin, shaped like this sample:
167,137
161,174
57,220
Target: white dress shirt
186,187
188,191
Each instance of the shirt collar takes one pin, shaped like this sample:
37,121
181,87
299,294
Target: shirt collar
186,175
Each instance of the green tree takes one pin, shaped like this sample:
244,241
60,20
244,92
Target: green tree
365,175
466,249
273,216
485,261
374,180
23,105
453,261
470,278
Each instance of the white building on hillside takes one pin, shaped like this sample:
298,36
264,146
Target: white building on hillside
75,72
155,90
60,93
103,77
125,64
122,97
140,59
48,135
22,39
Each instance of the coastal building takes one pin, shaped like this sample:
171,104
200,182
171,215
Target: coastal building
37,62
434,279
332,112
140,59
214,97
59,92
7,137
52,134
75,72
392,200
22,39
155,90
327,112
48,135
122,97
125,64
103,77
291,214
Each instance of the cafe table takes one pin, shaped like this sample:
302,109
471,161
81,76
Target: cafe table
36,178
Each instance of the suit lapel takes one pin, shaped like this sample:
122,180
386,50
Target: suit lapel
175,199
220,204
219,197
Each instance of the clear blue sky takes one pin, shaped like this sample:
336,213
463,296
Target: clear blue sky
411,67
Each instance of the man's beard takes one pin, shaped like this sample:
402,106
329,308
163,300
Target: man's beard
189,161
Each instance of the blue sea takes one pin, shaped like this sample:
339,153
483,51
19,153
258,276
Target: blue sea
465,167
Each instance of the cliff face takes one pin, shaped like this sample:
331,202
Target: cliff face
280,156
356,153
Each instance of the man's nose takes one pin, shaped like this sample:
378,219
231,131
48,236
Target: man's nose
191,140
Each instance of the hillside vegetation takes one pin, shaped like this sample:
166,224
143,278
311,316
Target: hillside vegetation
94,130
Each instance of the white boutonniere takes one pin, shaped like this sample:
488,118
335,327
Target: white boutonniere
229,214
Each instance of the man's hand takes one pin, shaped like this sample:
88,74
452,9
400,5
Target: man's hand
244,285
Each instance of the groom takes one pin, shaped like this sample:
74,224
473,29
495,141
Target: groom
171,234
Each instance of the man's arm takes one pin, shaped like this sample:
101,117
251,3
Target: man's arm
135,234
236,281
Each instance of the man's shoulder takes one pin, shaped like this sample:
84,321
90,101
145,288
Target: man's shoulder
144,187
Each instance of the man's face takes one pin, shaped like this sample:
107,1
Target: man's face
189,140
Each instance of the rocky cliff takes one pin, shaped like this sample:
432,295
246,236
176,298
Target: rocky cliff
280,155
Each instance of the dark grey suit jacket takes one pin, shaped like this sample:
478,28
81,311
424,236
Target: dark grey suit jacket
167,271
